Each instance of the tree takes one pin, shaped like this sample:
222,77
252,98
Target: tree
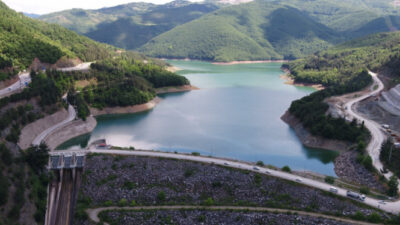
37,157
286,169
161,196
329,180
361,146
208,202
393,186
260,163
122,202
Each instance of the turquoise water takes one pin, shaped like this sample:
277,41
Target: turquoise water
236,114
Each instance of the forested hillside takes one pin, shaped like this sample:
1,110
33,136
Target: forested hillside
262,29
22,39
266,29
339,64
129,26
115,79
342,69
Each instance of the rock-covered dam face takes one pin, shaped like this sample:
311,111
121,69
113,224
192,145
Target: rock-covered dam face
63,188
390,101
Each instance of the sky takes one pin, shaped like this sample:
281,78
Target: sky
47,6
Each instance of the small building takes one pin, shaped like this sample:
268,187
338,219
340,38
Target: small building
102,145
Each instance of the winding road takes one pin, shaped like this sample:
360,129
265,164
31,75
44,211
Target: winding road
24,78
94,213
392,207
71,116
377,135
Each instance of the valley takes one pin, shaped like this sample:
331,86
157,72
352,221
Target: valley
239,112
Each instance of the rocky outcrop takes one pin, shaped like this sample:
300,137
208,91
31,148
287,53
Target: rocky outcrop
310,140
347,168
174,89
69,131
32,130
127,109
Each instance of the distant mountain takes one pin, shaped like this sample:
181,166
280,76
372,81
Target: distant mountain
212,30
132,25
273,29
31,15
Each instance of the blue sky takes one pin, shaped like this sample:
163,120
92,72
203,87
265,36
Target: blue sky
47,6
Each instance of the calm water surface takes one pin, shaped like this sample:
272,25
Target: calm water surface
236,114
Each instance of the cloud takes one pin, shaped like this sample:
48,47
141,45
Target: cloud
47,6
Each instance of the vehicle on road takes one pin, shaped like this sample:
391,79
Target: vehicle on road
226,164
355,196
298,180
255,168
385,126
333,190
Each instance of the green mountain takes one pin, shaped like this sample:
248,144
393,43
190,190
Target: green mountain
129,26
22,39
273,29
261,29
340,64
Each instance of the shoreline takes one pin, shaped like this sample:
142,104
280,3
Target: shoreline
228,62
311,141
249,62
290,81
80,127
126,109
173,69
175,89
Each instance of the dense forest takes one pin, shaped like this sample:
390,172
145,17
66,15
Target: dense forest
22,39
131,25
266,29
311,111
339,64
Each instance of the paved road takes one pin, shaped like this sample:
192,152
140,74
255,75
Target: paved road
45,133
24,79
94,213
377,135
373,149
392,207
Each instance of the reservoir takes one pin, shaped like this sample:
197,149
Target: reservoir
235,114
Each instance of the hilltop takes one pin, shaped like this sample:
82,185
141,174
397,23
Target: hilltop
131,25
266,29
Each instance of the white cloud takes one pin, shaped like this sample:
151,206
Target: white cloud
47,6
